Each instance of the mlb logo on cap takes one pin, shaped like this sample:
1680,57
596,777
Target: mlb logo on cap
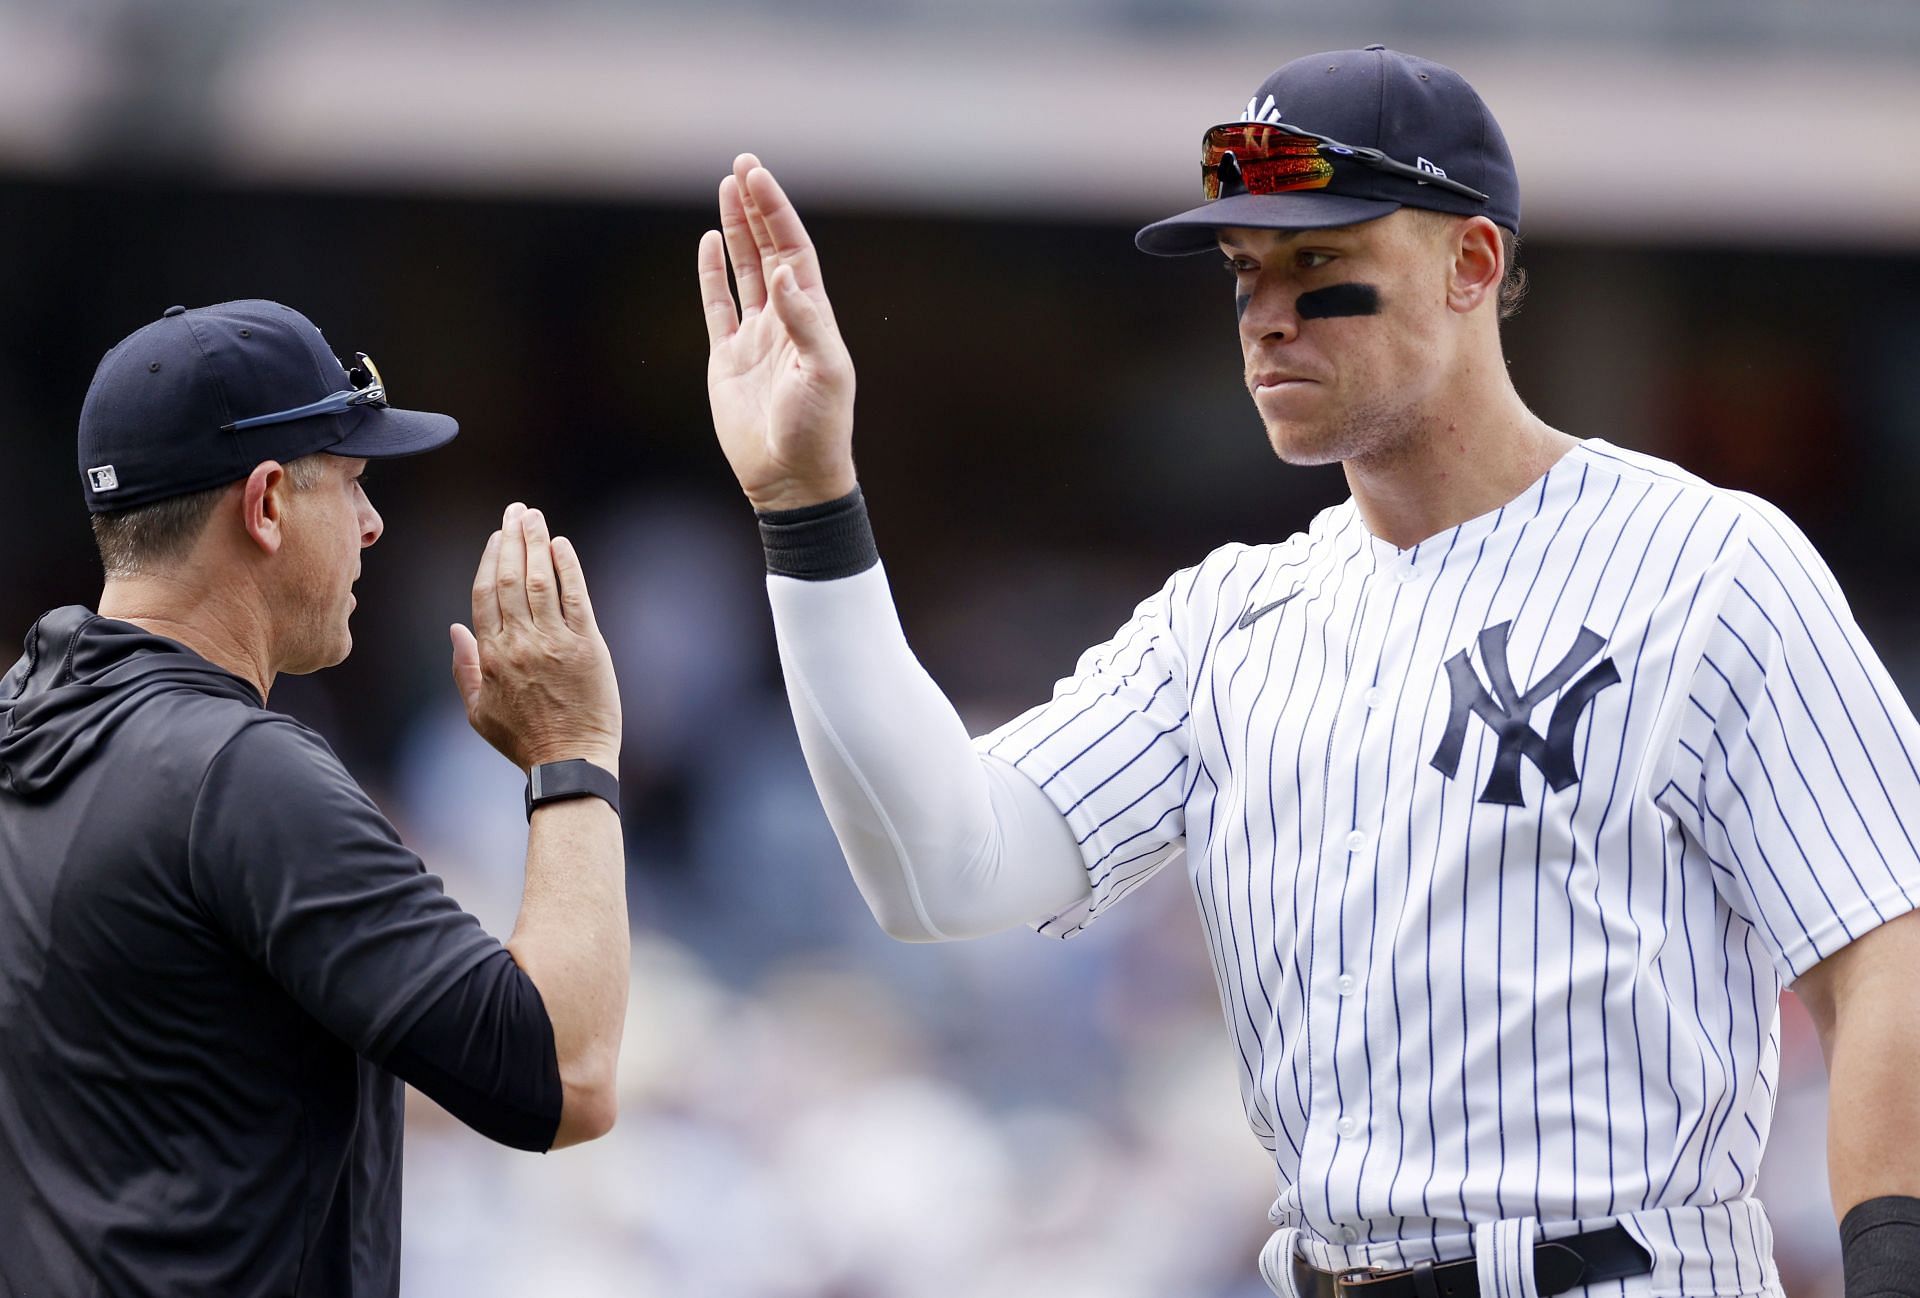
104,478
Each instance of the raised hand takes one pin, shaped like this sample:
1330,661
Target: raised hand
534,671
779,376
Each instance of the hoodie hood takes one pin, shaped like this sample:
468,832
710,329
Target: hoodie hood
79,678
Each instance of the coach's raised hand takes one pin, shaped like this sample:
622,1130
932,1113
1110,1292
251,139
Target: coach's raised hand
534,671
779,376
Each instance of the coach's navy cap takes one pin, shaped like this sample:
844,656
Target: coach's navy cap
158,419
1413,110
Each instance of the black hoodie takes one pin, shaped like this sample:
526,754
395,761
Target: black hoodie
210,940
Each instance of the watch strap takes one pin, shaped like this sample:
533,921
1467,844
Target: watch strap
574,778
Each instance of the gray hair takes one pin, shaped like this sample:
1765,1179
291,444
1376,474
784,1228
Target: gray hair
133,541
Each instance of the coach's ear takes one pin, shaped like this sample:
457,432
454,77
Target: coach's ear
263,500
1478,265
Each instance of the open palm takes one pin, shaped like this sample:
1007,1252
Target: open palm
779,377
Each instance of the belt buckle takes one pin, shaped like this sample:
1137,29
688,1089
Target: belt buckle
1359,1277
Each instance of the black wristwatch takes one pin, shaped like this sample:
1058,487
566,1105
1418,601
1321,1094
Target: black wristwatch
574,778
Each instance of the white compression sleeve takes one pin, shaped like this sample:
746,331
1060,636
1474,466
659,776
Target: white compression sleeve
944,842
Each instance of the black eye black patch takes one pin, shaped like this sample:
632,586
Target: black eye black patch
1240,301
1338,300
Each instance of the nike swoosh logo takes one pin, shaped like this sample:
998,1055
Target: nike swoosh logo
1253,615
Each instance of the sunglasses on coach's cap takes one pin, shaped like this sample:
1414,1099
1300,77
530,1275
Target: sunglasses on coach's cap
368,390
1276,158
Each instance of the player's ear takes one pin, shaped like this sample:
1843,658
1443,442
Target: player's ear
263,501
1477,264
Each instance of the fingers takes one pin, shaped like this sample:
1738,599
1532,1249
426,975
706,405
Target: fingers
741,249
543,595
466,666
743,167
486,598
762,231
525,588
510,569
716,298
777,228
575,605
547,689
810,330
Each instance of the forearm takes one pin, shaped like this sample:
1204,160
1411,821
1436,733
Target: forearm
572,940
943,843
1873,1148
1862,1002
1873,1106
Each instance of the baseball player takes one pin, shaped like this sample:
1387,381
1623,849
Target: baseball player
1512,791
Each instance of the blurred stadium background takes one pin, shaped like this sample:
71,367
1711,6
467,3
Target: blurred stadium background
500,203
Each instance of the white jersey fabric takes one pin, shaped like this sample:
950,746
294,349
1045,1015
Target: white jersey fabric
1504,846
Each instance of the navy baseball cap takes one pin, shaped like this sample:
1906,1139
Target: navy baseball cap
200,396
1416,112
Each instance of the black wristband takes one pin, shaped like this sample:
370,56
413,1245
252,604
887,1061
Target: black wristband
574,778
1880,1244
820,542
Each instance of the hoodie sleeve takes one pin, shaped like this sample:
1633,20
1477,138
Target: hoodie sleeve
295,865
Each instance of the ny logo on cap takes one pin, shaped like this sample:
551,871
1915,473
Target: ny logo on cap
1508,713
1255,111
104,478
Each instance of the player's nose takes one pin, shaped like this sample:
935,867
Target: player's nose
1268,314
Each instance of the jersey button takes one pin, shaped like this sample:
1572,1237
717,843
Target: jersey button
1349,1235
1356,841
1373,697
1405,574
1345,984
1347,1126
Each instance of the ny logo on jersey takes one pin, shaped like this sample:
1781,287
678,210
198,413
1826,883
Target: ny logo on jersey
1509,713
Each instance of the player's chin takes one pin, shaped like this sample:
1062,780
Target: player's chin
1300,442
1296,423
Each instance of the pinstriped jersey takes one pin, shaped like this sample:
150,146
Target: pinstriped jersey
1504,844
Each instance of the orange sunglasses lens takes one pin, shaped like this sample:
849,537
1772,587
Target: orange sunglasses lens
1268,161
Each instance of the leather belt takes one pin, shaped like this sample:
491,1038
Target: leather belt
1558,1265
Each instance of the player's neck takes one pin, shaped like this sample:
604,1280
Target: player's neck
1456,465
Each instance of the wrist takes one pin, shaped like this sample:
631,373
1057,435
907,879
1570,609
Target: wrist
606,757
569,781
1880,1246
783,496
820,542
